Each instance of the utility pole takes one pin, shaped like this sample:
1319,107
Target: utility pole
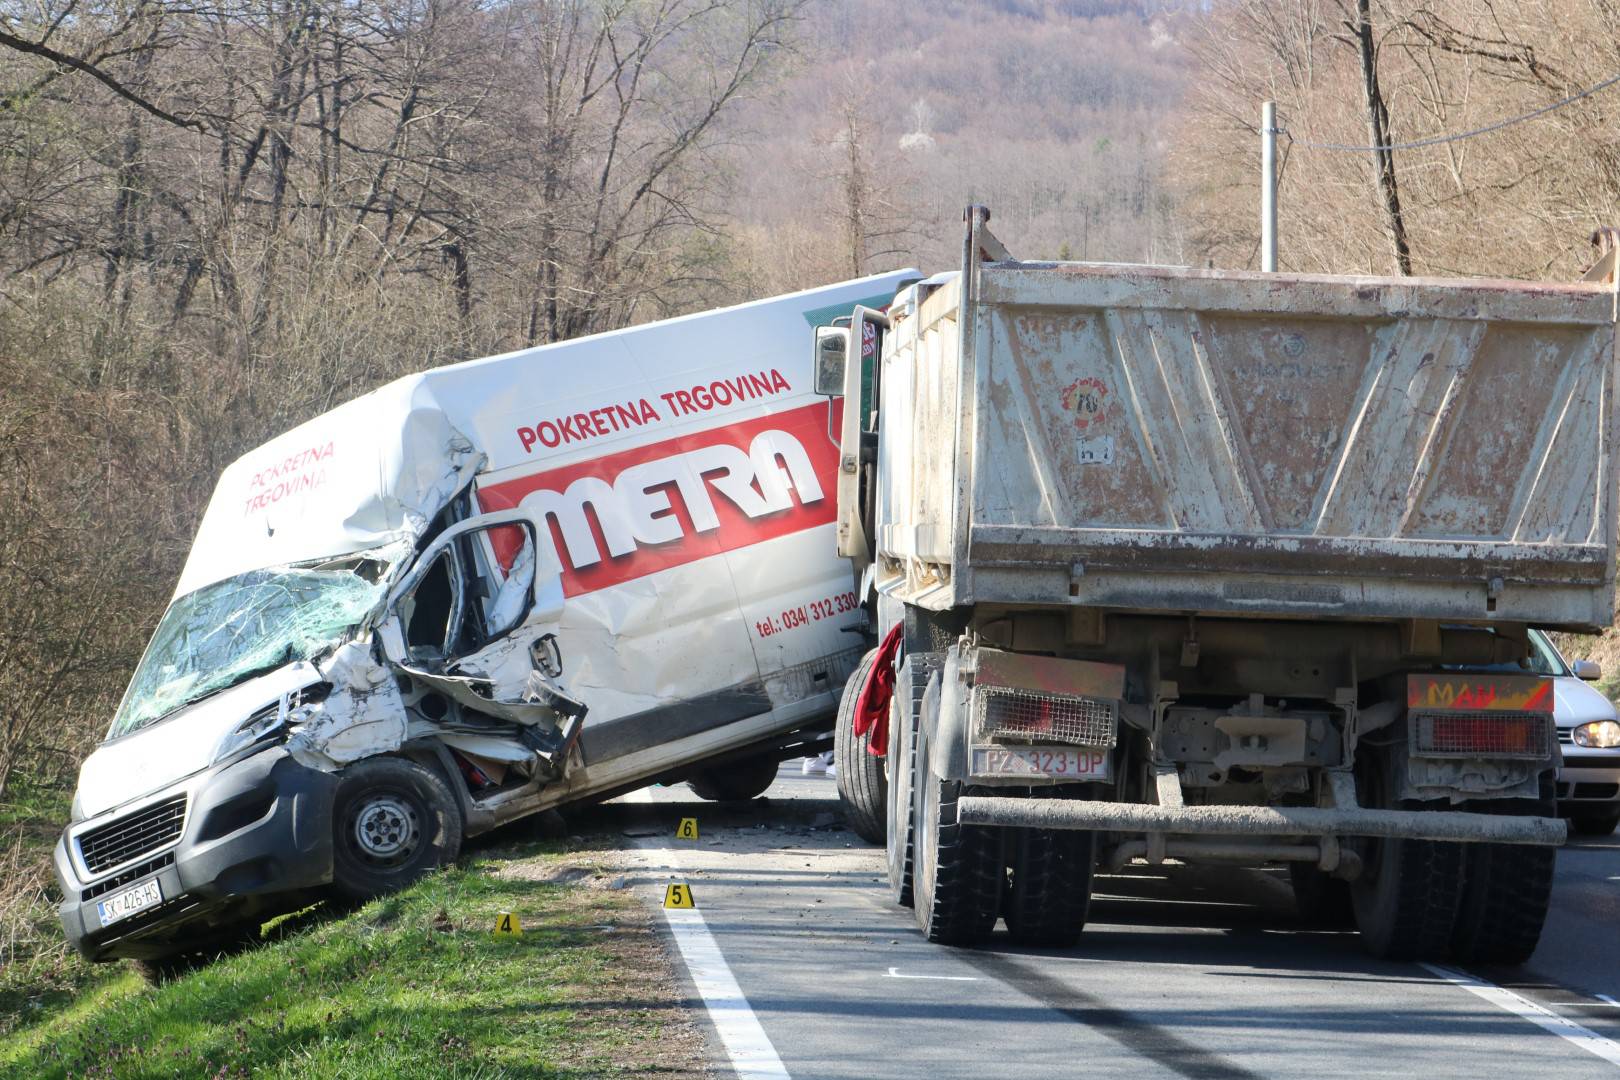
1268,187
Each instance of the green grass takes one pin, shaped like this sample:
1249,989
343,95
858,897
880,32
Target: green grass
409,985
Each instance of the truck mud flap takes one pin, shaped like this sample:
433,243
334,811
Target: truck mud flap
1258,820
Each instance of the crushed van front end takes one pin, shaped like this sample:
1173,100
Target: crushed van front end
192,863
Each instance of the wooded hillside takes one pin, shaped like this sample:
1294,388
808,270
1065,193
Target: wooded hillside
221,217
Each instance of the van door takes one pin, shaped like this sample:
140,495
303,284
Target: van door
480,632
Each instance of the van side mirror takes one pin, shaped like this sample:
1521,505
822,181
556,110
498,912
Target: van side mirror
832,354
1590,670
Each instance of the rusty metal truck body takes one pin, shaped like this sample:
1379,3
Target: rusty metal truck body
1221,565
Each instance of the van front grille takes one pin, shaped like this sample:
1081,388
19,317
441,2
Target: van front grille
133,835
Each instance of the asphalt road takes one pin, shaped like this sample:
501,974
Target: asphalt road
1182,971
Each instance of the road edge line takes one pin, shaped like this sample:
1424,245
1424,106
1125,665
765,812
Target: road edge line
752,1054
751,1051
1539,1015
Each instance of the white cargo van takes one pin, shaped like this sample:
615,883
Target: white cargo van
366,655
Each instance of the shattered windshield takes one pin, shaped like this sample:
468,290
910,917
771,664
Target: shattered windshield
229,631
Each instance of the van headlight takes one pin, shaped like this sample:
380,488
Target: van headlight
1600,734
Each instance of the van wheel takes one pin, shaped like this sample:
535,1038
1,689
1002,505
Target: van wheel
393,821
861,784
737,782
1406,898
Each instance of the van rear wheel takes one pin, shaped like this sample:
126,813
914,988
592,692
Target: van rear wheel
738,782
393,821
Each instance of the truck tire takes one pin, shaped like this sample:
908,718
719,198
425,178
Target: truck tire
1589,824
861,784
739,781
957,869
1407,896
915,671
1322,900
1050,895
1506,888
393,821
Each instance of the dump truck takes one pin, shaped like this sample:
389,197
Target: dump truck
470,596
1191,565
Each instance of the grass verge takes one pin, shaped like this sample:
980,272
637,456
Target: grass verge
410,985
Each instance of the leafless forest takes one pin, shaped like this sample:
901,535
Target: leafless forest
219,217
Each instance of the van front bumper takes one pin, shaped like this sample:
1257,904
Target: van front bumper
257,836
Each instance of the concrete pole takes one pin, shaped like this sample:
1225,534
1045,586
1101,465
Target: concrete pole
1268,187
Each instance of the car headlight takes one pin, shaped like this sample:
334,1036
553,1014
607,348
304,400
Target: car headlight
1602,734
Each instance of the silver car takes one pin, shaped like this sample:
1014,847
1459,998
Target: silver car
1588,735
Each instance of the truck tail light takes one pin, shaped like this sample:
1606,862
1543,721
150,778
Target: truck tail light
1013,715
1481,734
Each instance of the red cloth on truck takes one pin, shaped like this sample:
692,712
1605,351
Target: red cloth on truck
872,707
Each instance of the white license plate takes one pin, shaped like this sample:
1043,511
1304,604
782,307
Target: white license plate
1053,762
135,898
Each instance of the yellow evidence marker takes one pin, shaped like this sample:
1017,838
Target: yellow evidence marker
687,830
678,896
508,925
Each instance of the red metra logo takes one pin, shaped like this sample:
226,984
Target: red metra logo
639,511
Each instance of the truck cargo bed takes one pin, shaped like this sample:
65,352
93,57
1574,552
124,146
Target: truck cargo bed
1159,438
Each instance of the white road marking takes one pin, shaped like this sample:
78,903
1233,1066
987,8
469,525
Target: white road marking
1539,1015
1608,1000
752,1054
749,1048
894,973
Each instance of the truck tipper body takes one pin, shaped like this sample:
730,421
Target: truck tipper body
469,596
1223,566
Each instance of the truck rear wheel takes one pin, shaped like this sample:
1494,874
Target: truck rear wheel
957,869
904,709
1590,824
861,783
393,821
1506,889
1407,896
1321,899
736,782
1050,895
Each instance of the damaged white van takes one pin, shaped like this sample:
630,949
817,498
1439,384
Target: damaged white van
394,617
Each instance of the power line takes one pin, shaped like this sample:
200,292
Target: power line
1438,139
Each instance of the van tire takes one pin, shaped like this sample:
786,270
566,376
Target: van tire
392,821
861,783
738,782
1506,891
